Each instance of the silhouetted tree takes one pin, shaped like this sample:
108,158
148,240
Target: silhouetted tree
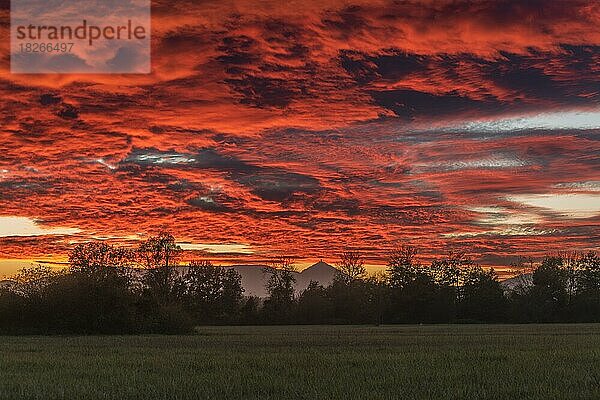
402,267
91,296
99,292
448,271
79,303
163,287
250,310
159,251
204,284
99,258
158,255
278,307
409,283
379,297
587,298
548,296
349,293
351,267
231,296
14,317
23,306
31,281
314,305
448,274
213,294
482,297
419,294
570,264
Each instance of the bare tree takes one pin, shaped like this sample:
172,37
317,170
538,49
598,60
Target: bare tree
571,263
351,266
284,263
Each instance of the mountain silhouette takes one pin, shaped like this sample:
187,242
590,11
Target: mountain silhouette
519,281
254,277
320,272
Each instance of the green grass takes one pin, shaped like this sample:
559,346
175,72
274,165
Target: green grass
308,362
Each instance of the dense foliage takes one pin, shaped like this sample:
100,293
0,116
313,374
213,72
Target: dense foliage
109,289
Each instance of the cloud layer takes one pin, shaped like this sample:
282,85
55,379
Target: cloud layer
308,129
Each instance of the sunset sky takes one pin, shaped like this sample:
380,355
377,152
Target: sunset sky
309,127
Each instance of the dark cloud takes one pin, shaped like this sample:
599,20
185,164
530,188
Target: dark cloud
68,111
238,51
19,189
521,75
408,104
65,63
265,92
269,183
347,21
528,81
219,203
278,185
389,67
48,99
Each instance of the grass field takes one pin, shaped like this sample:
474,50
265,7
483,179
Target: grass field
308,362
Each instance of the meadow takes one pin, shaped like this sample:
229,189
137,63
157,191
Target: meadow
310,362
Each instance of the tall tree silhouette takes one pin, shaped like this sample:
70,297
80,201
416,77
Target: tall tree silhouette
159,255
163,287
314,305
402,267
482,296
213,293
588,287
415,297
349,293
231,296
279,304
549,296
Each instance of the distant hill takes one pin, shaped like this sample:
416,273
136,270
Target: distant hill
320,272
254,277
524,281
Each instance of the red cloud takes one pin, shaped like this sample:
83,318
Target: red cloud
307,130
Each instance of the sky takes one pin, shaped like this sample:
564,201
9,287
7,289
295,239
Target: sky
309,127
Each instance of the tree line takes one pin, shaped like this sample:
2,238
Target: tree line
110,289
